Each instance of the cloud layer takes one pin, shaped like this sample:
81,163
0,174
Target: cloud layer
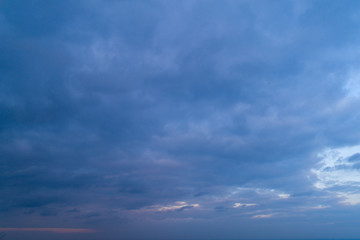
207,118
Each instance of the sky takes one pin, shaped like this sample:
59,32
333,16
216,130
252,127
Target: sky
179,120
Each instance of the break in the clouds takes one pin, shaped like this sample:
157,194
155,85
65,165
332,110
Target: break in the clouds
179,119
339,172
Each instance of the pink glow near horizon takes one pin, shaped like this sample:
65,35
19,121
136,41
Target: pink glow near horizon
54,230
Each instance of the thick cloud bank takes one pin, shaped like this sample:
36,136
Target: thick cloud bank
179,119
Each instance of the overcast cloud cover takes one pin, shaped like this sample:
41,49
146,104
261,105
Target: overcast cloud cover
179,119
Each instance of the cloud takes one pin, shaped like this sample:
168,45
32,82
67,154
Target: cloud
178,206
237,205
349,198
319,207
113,111
262,216
338,172
352,86
265,192
283,195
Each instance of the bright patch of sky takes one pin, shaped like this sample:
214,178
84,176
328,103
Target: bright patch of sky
339,172
352,86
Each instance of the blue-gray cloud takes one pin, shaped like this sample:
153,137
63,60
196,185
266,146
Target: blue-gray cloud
128,115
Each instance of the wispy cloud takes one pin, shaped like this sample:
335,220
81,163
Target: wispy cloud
178,206
349,198
266,192
339,172
352,86
237,205
263,216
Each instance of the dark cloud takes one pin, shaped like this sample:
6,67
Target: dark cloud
38,201
127,115
49,212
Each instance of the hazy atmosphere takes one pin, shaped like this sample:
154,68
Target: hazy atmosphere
179,120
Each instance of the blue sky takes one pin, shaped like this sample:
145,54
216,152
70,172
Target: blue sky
179,119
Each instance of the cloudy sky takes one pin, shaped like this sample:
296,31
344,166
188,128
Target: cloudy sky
179,120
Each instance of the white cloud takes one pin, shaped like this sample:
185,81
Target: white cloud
263,192
237,205
319,207
273,193
176,206
349,198
263,216
352,85
339,172
283,195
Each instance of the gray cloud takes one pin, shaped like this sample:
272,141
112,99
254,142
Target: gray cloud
110,110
